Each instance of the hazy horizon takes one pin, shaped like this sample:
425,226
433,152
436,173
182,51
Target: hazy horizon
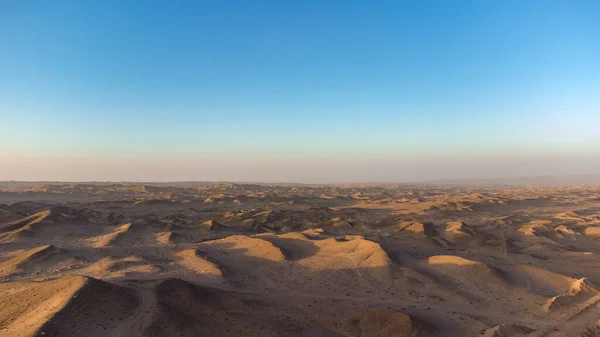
305,92
328,172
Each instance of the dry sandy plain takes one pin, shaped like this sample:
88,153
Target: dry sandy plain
257,260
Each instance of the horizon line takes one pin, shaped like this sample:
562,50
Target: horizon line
442,181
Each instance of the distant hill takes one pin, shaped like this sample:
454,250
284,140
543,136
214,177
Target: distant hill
556,180
559,180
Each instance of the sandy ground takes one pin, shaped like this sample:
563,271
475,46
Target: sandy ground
256,260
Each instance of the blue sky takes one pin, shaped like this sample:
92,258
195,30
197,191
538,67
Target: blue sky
308,91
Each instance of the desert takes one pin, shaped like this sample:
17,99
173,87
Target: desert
226,259
272,168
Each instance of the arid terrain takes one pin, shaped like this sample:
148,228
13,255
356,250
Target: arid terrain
193,259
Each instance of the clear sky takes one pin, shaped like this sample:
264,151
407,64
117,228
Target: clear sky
299,91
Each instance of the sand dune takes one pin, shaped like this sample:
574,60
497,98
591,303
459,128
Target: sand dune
236,246
124,267
21,228
64,307
199,262
251,260
166,237
389,323
508,330
39,257
108,239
